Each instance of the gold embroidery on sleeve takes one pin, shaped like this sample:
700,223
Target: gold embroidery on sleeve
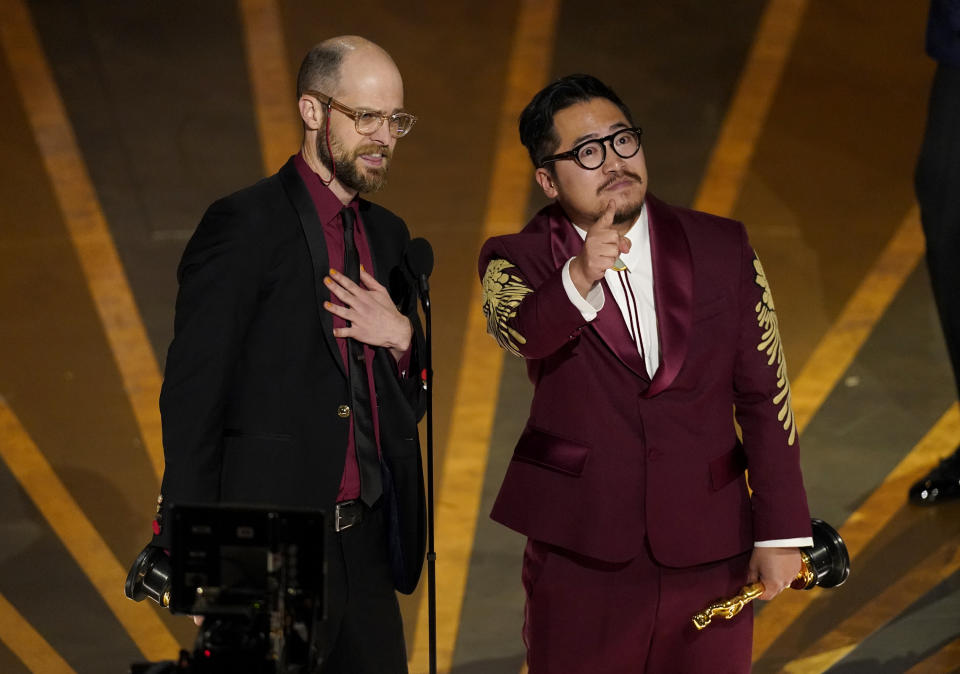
771,345
502,294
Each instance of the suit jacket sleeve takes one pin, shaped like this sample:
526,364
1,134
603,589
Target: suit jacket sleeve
219,284
764,412
528,313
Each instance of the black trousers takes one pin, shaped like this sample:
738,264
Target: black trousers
363,630
938,192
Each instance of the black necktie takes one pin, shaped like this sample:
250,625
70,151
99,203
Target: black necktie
364,440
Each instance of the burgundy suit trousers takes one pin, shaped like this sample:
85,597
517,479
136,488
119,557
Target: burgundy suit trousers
588,616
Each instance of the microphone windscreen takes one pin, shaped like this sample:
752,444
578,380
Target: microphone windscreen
419,257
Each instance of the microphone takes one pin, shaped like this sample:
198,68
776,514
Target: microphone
419,260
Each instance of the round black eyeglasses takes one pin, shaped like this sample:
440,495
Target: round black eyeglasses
592,153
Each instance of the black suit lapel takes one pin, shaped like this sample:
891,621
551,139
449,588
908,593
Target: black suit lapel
313,231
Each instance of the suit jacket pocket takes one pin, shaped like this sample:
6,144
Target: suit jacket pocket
712,307
550,451
727,467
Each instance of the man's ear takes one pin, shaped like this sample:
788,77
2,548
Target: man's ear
547,183
311,112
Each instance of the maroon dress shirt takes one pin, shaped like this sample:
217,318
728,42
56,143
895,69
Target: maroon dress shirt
328,210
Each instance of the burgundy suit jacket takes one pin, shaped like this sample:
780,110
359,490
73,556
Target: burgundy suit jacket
610,456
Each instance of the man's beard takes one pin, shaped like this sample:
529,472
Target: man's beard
627,213
349,173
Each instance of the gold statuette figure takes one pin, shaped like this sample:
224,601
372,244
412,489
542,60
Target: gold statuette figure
727,608
825,564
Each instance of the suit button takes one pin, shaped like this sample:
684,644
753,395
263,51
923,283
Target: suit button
343,411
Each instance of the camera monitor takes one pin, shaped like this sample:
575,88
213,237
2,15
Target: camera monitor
240,560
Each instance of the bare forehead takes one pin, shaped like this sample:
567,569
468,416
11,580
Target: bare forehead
596,118
369,78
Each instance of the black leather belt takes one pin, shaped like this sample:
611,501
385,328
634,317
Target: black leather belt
347,513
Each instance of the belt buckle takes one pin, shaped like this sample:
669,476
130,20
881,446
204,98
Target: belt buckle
338,523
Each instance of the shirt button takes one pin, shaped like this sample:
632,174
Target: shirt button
653,454
343,411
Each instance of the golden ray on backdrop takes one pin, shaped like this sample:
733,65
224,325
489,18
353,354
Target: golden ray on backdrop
478,381
79,536
118,314
864,524
894,600
27,644
85,222
944,660
837,348
273,89
748,110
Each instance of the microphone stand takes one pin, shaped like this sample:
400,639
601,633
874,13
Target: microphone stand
431,552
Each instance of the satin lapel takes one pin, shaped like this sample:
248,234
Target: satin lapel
313,231
672,291
609,324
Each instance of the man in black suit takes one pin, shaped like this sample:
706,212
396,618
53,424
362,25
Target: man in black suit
937,181
292,379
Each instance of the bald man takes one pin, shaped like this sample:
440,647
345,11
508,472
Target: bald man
291,380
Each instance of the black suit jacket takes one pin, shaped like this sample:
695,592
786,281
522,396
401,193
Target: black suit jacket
254,378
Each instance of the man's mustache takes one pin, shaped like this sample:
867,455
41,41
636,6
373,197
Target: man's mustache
381,150
617,177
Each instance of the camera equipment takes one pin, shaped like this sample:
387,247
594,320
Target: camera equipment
255,574
149,577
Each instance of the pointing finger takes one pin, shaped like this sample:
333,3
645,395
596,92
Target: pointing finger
606,218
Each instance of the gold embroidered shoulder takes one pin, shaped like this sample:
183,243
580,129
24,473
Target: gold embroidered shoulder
771,345
502,293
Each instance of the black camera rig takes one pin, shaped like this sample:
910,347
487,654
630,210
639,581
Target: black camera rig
256,575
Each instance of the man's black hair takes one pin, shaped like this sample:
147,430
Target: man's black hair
537,132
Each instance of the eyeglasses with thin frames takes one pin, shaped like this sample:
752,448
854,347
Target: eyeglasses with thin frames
591,154
368,121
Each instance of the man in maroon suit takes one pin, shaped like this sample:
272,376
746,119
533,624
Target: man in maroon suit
642,325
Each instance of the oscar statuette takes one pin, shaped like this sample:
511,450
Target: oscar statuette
826,564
